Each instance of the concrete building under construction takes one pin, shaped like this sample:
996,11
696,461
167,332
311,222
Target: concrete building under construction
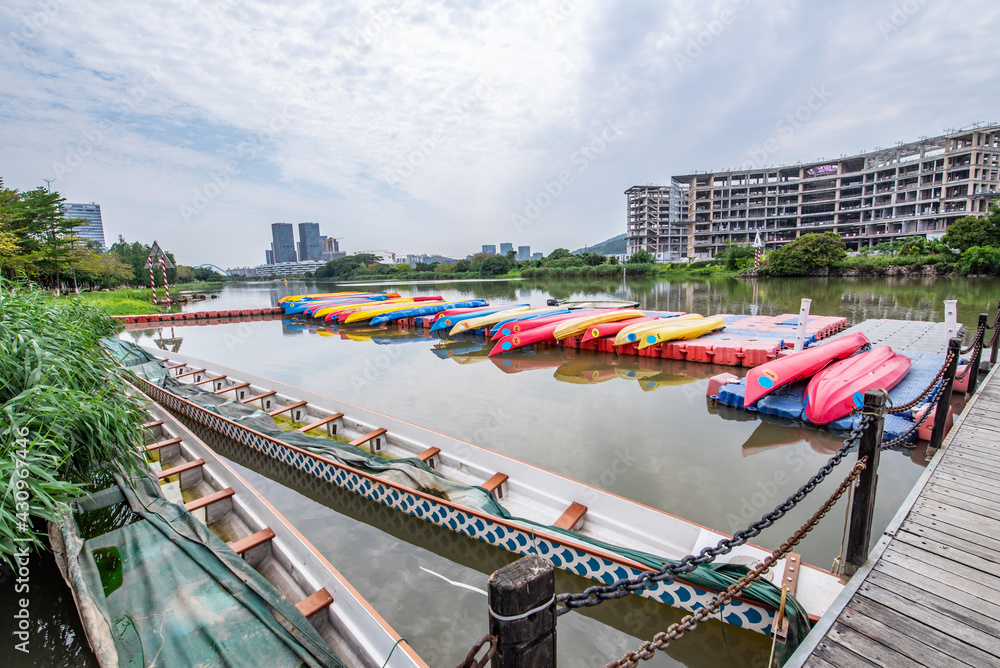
657,221
910,190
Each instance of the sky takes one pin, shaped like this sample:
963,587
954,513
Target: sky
437,127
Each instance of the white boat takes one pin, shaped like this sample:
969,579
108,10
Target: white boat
578,528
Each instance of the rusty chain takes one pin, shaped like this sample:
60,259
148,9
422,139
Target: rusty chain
977,348
904,437
470,658
675,631
977,341
621,588
940,374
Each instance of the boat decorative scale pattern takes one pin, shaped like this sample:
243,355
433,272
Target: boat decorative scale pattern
523,542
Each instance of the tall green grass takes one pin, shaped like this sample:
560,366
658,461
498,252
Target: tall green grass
65,398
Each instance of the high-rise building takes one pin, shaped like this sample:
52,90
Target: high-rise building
505,248
282,243
93,230
269,256
657,221
490,249
331,250
523,253
537,256
909,190
310,246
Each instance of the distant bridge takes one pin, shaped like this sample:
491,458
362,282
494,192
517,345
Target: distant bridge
218,270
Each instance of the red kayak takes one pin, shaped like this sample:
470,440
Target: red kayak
612,328
518,326
526,338
769,376
840,388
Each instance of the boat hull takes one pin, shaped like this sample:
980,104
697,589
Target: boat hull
837,390
680,331
763,379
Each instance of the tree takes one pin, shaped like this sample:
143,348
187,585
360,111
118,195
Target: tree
736,254
45,241
462,266
558,254
100,269
970,231
426,266
642,256
806,254
403,267
185,274
592,259
495,265
345,267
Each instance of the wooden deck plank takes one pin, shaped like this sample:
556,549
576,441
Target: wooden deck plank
966,496
930,511
944,532
950,502
930,566
871,649
952,549
831,651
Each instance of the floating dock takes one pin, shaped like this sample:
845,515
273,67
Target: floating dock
200,317
929,594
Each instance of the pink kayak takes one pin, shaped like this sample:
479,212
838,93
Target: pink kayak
769,376
840,388
526,338
518,326
612,328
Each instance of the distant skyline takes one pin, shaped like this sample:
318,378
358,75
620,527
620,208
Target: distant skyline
437,127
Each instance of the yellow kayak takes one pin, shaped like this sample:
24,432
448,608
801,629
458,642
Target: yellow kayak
680,331
295,298
633,333
577,326
486,320
368,313
350,308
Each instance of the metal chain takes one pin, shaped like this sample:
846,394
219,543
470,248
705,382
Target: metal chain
968,367
978,340
940,374
621,588
996,318
675,631
905,436
470,658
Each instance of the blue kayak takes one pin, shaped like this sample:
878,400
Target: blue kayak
450,321
531,316
300,307
426,310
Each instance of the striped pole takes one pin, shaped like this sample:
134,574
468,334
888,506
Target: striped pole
166,288
152,279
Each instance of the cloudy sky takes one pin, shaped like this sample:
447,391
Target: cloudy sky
440,126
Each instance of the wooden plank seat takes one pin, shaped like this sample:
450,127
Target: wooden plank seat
175,366
310,605
152,425
319,423
263,395
571,517
253,540
240,386
181,468
190,373
163,444
370,436
428,453
284,409
209,499
209,380
494,482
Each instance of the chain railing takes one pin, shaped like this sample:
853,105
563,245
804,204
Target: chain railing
620,588
903,439
937,377
675,631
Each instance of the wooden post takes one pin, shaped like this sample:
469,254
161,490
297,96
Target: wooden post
974,371
860,532
524,640
996,342
944,399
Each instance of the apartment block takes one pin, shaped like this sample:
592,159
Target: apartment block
909,190
93,229
657,221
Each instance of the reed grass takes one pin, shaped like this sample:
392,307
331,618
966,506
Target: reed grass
64,416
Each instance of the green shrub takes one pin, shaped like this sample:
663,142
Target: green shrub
980,260
807,254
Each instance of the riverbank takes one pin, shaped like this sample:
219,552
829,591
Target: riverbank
137,301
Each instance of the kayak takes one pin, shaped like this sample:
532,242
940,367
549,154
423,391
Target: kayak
469,324
609,328
426,309
326,309
297,298
680,330
331,313
375,309
345,297
840,388
769,376
299,307
501,329
578,326
310,308
633,333
525,338
362,315
447,321
525,325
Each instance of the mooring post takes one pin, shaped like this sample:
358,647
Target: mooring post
862,512
996,342
800,331
950,319
523,614
974,371
944,398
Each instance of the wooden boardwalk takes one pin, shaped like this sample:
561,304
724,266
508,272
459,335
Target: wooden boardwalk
930,592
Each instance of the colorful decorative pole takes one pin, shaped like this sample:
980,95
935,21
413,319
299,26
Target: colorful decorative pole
758,252
152,279
166,288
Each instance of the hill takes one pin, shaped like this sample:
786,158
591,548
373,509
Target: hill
612,246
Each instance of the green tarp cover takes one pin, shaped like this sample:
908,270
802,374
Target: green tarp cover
165,591
415,474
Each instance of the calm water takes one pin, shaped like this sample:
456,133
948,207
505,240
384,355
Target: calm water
579,413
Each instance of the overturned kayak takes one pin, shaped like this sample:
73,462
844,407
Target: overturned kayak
526,338
524,325
449,320
501,329
837,390
365,314
578,326
469,324
762,379
426,309
611,328
680,330
634,333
